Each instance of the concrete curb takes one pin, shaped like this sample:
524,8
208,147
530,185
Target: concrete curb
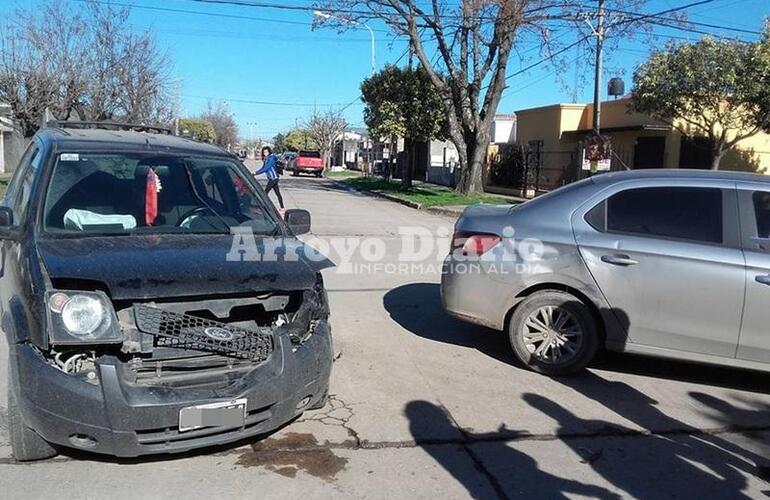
411,204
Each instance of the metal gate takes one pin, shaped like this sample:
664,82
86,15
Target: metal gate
529,170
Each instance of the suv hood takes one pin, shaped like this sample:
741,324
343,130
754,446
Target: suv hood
164,266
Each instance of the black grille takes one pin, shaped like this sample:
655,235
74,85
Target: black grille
190,332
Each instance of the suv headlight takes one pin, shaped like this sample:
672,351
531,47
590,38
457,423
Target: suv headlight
320,299
81,318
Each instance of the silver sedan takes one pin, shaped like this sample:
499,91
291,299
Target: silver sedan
669,263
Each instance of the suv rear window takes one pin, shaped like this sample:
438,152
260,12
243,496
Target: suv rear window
668,212
149,193
310,154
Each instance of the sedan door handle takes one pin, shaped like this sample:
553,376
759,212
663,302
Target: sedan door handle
619,260
763,278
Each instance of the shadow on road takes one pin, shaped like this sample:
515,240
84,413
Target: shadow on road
706,464
686,464
526,479
669,459
417,307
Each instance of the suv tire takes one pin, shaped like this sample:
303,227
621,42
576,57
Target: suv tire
553,333
26,444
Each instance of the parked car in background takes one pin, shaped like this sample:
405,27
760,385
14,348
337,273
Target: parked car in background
308,162
129,328
669,263
287,159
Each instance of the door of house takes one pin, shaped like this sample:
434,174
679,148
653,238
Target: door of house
695,153
649,152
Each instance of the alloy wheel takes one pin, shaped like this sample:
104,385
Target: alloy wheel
552,335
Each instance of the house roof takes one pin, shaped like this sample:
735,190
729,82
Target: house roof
624,128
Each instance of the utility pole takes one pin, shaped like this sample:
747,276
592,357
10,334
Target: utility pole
598,68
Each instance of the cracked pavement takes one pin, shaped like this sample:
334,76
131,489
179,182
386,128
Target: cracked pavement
422,406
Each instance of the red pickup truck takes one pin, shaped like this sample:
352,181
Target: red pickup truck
309,162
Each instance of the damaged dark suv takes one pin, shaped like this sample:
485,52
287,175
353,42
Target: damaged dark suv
137,323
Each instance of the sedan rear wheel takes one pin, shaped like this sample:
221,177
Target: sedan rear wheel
553,333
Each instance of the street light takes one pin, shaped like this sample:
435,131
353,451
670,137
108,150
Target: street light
327,15
251,130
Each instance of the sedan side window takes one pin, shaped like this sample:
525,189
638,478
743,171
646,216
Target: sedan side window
761,201
669,212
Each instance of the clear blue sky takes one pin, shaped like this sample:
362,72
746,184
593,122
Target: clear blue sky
249,55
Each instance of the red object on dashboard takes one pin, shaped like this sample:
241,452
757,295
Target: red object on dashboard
151,197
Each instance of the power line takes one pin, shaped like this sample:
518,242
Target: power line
194,12
692,23
202,13
547,58
267,103
250,36
586,37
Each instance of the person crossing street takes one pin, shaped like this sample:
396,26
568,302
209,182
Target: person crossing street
270,169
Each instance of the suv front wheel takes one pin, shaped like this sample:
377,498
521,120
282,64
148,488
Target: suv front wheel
26,444
553,333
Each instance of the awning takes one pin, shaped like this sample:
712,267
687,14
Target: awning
626,128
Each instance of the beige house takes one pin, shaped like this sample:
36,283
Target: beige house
638,141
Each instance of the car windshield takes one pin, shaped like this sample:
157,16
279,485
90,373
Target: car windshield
104,193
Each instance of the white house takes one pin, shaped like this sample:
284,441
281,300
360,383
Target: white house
12,142
503,129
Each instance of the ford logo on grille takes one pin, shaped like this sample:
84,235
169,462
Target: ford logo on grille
216,333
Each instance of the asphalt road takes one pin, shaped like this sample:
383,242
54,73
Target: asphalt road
426,406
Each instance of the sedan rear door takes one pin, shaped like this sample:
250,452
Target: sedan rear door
754,342
667,257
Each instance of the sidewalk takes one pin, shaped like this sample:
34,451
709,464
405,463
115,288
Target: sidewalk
448,210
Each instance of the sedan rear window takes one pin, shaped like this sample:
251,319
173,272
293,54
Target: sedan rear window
668,212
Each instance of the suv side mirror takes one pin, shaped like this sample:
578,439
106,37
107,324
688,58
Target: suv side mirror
298,220
6,217
6,223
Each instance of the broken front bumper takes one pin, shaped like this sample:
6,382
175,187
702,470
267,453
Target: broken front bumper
123,418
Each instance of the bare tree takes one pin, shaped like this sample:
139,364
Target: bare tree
473,42
324,129
219,115
82,61
465,48
132,78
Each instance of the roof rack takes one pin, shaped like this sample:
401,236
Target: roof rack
107,125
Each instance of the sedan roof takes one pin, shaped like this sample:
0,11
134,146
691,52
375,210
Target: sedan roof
679,173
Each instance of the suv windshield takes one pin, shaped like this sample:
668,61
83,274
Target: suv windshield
149,193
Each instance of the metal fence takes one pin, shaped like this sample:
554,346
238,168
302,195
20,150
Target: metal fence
530,170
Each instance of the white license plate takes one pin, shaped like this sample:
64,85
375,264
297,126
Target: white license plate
224,414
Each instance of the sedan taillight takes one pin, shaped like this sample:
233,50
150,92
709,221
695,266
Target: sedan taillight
473,244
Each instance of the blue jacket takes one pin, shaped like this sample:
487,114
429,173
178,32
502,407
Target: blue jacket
268,168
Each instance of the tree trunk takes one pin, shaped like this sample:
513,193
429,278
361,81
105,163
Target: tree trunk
408,172
393,147
472,163
716,157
